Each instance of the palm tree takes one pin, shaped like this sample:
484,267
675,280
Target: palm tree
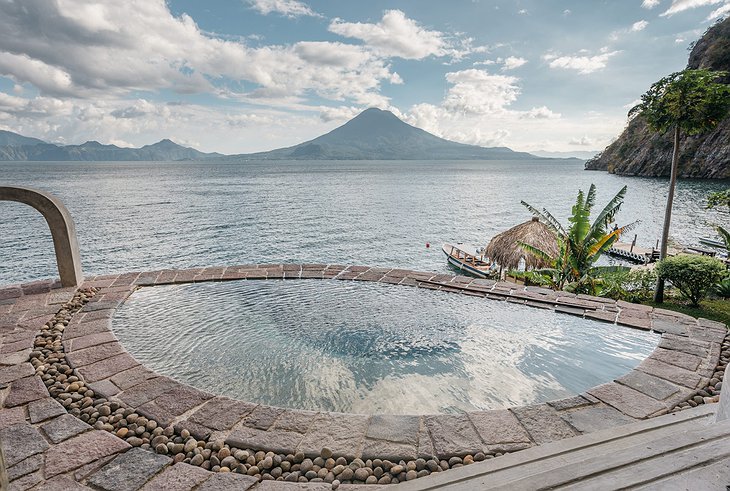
582,243
690,101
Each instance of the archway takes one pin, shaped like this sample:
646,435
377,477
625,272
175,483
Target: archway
62,228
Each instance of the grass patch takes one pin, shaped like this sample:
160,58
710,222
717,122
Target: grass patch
713,309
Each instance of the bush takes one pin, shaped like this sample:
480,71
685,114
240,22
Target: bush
692,275
633,286
723,288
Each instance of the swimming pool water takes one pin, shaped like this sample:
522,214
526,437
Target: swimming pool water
370,348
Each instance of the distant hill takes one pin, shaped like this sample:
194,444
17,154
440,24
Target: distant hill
641,152
17,147
372,135
579,155
379,135
14,139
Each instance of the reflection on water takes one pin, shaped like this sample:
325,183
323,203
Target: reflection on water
369,348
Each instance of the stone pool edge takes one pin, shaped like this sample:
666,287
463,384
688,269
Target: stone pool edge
681,365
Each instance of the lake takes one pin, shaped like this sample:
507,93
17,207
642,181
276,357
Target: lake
152,215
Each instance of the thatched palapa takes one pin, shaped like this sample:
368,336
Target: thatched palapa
505,250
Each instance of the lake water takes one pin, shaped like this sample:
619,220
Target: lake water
370,348
151,215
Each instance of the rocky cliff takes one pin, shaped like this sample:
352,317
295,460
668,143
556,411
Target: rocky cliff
641,152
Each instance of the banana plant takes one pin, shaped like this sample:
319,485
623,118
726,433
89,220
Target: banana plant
581,244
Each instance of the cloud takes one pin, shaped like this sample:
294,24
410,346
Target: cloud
479,92
719,12
107,49
541,112
395,35
287,8
650,4
583,141
639,26
340,114
583,64
512,62
682,5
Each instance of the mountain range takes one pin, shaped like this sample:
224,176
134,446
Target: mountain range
372,135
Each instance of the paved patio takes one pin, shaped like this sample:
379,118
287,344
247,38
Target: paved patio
46,447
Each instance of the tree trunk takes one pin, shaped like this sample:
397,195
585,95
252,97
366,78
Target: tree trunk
659,292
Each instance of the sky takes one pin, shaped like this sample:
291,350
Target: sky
240,76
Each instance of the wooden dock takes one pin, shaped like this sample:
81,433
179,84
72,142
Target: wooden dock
684,450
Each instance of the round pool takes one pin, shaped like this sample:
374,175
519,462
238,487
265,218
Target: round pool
364,347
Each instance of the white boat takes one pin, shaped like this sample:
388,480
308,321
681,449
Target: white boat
708,241
468,258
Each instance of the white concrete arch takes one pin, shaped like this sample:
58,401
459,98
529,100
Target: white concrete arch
62,228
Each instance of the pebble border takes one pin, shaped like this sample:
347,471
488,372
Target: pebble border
98,382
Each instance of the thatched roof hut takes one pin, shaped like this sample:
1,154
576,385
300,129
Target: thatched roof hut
505,250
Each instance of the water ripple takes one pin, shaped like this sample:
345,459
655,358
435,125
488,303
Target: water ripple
369,348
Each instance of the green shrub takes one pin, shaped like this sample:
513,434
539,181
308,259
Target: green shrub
722,289
633,286
692,275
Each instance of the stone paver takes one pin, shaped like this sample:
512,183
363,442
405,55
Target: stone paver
262,417
677,358
44,409
179,477
628,400
393,428
20,442
81,450
83,329
650,385
146,391
27,481
12,416
84,342
181,399
63,428
594,418
93,354
107,368
104,388
129,471
26,466
221,413
134,376
671,373
341,433
500,430
569,403
685,345
25,390
15,372
295,420
543,423
228,482
453,435
61,483
286,442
